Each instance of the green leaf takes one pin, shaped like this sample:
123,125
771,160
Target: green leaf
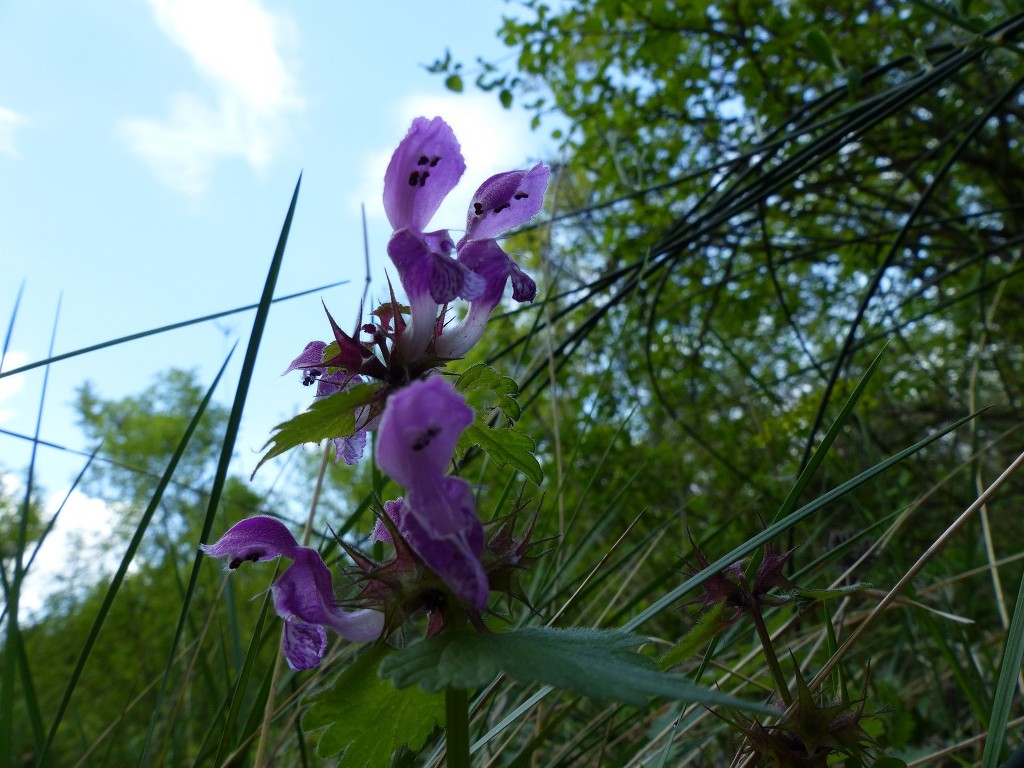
368,718
505,446
505,96
484,388
708,625
597,663
828,594
453,83
333,416
821,48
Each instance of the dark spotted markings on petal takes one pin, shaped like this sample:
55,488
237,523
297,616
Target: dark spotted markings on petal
426,438
502,207
418,178
478,209
520,196
252,557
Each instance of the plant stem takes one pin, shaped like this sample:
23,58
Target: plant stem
456,711
769,655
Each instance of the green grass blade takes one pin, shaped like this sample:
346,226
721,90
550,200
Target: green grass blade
826,442
227,448
10,325
126,561
13,651
785,524
161,329
237,695
1013,657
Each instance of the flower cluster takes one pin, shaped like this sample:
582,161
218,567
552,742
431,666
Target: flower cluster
445,561
423,170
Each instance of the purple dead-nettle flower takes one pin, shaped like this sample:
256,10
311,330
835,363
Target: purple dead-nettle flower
303,595
417,437
350,448
423,170
503,202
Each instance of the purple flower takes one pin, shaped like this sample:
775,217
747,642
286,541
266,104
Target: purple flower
310,362
503,202
417,437
303,595
423,170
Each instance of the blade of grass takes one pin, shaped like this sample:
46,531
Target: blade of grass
162,329
786,523
1009,670
234,702
126,561
13,651
10,325
812,464
227,448
53,521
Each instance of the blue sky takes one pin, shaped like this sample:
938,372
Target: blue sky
148,151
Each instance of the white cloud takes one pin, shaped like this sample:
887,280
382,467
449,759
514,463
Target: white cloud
9,121
236,46
77,547
10,386
492,140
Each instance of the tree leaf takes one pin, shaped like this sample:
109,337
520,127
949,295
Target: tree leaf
368,718
333,416
453,83
505,446
596,663
820,47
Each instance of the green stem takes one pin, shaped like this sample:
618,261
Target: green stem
769,655
456,710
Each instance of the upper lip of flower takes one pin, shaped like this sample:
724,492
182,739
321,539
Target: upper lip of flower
425,167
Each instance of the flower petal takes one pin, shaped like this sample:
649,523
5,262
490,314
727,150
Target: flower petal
305,591
394,509
256,539
443,529
425,268
523,286
303,644
350,448
419,430
506,200
312,357
423,170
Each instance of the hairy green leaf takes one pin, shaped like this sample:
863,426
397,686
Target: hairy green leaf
484,388
333,416
597,663
505,446
709,624
368,718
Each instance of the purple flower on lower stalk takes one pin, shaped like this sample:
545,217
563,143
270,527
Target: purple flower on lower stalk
425,167
303,595
415,443
504,201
